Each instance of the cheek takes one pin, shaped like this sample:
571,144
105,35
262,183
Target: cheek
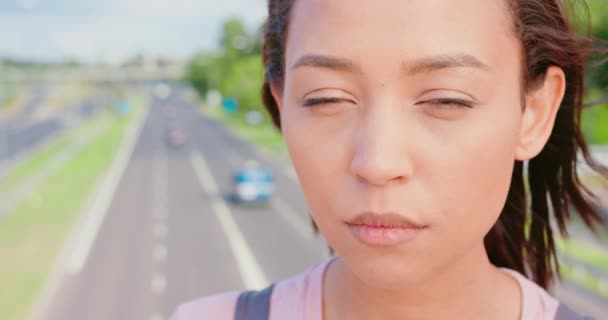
471,185
320,157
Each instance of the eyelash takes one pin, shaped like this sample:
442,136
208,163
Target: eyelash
319,101
444,101
451,101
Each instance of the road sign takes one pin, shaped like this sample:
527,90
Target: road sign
230,105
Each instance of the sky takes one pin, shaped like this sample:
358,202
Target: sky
112,30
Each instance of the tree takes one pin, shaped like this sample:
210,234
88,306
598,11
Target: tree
236,70
234,39
594,22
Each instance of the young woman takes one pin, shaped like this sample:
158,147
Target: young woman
409,123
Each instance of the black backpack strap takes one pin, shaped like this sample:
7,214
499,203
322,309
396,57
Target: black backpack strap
254,305
565,313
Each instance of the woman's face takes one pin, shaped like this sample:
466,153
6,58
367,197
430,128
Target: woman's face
404,107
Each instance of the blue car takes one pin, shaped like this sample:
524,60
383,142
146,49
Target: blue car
253,183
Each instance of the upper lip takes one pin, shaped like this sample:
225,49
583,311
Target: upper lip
384,220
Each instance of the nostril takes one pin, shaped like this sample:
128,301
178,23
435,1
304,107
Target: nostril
380,177
382,154
380,171
399,179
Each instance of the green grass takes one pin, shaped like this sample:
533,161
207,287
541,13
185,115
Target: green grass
34,163
584,253
15,97
32,235
7,101
594,121
586,281
264,135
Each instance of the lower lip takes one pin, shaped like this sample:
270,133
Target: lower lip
384,236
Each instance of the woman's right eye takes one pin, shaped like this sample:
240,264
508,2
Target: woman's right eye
321,101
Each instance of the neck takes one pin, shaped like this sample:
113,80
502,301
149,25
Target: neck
467,289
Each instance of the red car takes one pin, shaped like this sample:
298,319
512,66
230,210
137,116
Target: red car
176,137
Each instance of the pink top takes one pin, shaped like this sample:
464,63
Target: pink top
300,298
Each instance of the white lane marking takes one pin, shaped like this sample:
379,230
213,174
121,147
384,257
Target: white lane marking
160,230
161,194
103,198
252,274
157,316
159,283
160,253
160,214
292,218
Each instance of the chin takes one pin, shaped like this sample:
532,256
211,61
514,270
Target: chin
388,270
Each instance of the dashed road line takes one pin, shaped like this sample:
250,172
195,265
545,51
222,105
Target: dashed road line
160,231
157,316
160,253
252,274
158,283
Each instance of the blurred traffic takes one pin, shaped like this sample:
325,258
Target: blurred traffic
253,183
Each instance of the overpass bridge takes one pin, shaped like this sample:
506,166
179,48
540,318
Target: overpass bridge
92,74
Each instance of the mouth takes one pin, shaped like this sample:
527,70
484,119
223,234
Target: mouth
384,229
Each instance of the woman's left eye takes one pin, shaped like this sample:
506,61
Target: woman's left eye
452,102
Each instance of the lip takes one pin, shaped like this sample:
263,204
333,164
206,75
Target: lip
384,229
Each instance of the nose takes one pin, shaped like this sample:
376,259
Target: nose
382,152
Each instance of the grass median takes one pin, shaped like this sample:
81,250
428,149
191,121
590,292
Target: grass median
33,235
34,163
580,254
584,253
585,280
16,96
594,121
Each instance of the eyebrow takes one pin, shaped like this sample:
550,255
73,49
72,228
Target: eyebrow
326,62
422,65
429,64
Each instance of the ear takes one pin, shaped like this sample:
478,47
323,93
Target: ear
277,93
538,118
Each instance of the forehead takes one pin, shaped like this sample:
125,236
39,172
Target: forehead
387,30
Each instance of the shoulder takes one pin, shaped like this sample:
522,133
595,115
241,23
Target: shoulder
300,294
219,306
536,302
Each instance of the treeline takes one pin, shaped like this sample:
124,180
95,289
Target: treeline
235,69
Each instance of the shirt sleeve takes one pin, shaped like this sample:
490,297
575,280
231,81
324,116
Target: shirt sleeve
220,307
